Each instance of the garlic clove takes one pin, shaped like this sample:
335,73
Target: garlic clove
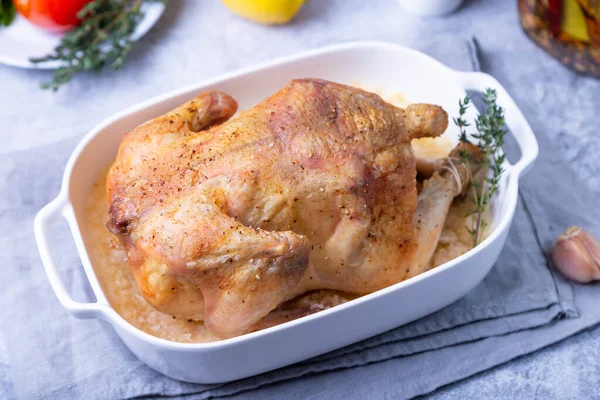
576,255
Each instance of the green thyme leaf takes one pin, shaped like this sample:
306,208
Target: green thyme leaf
489,138
7,12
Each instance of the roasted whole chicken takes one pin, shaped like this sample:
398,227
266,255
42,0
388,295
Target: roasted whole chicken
313,188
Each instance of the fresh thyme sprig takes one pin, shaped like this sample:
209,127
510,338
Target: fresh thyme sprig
490,139
104,37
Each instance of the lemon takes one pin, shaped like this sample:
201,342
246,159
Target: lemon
573,21
265,11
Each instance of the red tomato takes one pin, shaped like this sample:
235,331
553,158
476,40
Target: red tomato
51,15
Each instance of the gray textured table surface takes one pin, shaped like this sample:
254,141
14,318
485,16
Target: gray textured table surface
200,39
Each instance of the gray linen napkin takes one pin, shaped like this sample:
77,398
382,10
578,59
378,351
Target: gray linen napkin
47,354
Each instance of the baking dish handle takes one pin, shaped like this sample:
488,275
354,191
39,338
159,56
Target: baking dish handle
515,120
42,223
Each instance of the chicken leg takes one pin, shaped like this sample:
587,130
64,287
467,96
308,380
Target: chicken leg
447,180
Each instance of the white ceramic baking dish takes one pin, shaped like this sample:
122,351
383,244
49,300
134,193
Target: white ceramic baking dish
421,79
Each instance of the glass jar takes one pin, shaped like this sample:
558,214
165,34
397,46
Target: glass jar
569,30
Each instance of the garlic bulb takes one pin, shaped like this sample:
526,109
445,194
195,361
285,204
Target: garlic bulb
576,254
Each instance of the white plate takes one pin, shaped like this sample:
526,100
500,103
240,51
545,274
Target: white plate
377,64
21,40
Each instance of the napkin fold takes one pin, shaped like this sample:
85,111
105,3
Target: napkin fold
521,306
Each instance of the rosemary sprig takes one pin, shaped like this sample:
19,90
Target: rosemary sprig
490,139
104,37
